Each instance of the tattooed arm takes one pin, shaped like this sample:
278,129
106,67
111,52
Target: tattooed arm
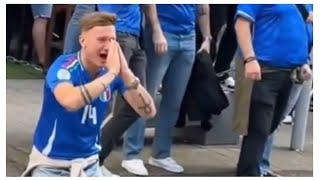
139,99
204,25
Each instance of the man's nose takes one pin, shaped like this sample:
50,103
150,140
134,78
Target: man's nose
106,46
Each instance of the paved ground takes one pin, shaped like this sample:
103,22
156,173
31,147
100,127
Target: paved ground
23,102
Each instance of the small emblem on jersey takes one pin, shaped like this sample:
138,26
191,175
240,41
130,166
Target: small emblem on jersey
63,74
106,95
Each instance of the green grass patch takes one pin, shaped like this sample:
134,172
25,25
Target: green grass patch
20,71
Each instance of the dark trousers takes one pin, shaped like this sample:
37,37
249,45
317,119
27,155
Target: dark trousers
268,100
228,44
221,14
124,114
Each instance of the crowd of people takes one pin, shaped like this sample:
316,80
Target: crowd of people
133,50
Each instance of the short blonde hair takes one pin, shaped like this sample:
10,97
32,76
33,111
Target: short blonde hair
91,20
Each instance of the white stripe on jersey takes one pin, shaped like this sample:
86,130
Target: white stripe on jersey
48,147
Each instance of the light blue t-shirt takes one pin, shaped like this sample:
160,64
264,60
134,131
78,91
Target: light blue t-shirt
62,134
280,35
128,17
177,18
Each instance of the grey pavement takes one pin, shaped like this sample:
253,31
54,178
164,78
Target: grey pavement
24,99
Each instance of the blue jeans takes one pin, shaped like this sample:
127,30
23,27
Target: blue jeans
41,10
91,171
265,163
172,70
71,42
294,95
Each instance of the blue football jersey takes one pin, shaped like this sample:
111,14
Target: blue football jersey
62,134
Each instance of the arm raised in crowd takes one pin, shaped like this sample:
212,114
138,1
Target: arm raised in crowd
75,97
204,25
243,31
159,41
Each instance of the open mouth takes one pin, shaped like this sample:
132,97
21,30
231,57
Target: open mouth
103,55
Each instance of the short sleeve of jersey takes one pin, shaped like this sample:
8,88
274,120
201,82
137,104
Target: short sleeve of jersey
57,74
248,11
119,85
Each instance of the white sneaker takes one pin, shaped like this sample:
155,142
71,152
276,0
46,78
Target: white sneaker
107,173
229,82
168,164
135,166
287,120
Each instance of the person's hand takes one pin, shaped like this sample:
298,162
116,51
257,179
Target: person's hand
205,46
125,71
113,59
252,70
160,43
306,72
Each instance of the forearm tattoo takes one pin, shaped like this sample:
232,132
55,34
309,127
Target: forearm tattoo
146,105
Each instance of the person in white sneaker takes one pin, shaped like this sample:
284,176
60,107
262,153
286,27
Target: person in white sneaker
170,67
224,44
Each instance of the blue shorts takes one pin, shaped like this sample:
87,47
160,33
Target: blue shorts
41,10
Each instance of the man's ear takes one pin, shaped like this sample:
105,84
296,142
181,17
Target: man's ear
82,40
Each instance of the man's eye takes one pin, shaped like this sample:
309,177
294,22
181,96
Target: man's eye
102,39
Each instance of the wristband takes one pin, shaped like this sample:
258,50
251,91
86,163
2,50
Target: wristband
87,93
135,84
84,97
249,59
104,86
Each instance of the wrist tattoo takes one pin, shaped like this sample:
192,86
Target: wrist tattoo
146,105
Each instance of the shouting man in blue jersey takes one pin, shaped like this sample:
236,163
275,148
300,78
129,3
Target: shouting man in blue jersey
77,91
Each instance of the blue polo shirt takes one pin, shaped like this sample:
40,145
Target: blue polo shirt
280,35
61,134
177,18
310,26
128,17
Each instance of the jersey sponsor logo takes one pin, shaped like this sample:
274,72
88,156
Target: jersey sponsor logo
63,74
106,95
